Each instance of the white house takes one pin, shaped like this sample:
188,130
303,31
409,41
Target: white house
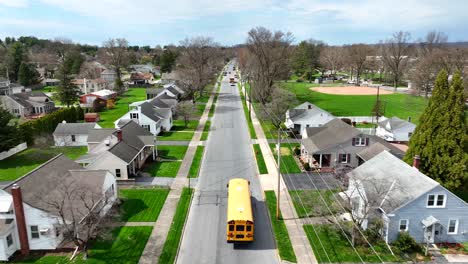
395,129
73,134
306,115
28,221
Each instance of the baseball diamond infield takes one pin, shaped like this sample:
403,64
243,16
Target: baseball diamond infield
350,90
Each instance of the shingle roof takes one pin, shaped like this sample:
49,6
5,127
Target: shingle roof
395,123
173,90
25,100
372,151
148,110
63,129
389,182
124,151
328,135
98,135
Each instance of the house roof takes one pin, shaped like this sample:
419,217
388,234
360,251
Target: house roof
124,151
104,93
47,183
64,129
372,151
332,133
303,111
30,99
163,113
98,135
141,76
174,75
389,182
395,123
149,110
82,81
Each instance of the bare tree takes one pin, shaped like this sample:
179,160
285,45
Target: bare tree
332,59
185,109
395,54
281,101
197,63
82,211
89,71
116,54
270,52
357,58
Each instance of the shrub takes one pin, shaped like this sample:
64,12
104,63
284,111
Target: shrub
347,121
406,243
306,166
297,151
300,80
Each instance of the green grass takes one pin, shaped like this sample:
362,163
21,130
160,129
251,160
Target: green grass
197,159
142,205
121,106
308,203
125,246
213,105
48,89
338,248
206,131
253,135
21,163
285,248
175,232
288,164
163,168
175,136
262,168
172,152
179,125
400,105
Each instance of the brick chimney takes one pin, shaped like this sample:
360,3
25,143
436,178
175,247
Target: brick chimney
416,161
20,219
119,135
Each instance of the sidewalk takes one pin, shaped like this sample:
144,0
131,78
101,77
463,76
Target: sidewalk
298,237
161,227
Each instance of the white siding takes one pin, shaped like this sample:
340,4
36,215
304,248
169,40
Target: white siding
110,162
80,140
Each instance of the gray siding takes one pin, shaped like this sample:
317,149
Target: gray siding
416,211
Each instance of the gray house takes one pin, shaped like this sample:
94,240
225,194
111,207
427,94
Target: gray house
405,200
306,115
28,104
339,144
395,129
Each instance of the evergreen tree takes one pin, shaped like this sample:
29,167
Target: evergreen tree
9,133
67,91
439,137
167,60
28,75
16,55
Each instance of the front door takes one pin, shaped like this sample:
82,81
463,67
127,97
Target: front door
429,233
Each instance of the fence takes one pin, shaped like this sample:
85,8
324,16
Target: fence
361,119
13,151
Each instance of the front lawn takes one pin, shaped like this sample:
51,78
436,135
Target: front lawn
308,203
21,163
197,159
175,136
252,133
142,205
125,245
400,105
108,117
288,164
339,250
172,152
175,232
179,125
262,168
206,130
283,242
163,168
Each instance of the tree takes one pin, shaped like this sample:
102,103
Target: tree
357,58
28,75
116,54
395,55
306,57
441,133
185,109
15,56
81,212
331,58
281,101
167,60
9,133
67,91
270,53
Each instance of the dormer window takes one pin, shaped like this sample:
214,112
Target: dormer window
134,115
436,200
360,141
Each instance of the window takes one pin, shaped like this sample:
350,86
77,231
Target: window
239,228
134,115
360,141
404,224
452,227
73,138
117,173
9,240
231,227
147,127
343,158
249,228
307,125
410,134
34,231
436,200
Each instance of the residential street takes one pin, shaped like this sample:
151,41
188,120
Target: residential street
228,155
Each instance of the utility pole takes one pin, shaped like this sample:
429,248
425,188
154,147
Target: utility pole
250,98
279,176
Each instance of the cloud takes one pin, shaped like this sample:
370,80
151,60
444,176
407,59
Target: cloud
14,3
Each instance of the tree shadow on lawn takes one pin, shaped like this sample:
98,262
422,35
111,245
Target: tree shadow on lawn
132,207
27,157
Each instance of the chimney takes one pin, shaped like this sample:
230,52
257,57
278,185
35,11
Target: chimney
119,135
20,219
416,161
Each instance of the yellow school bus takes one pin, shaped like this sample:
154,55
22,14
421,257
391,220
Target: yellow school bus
240,222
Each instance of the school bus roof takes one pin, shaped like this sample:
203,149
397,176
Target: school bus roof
239,203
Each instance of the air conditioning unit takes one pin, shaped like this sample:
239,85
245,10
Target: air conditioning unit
44,231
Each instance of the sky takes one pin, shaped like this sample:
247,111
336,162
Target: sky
153,22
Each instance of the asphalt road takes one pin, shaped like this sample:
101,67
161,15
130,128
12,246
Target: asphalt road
228,154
